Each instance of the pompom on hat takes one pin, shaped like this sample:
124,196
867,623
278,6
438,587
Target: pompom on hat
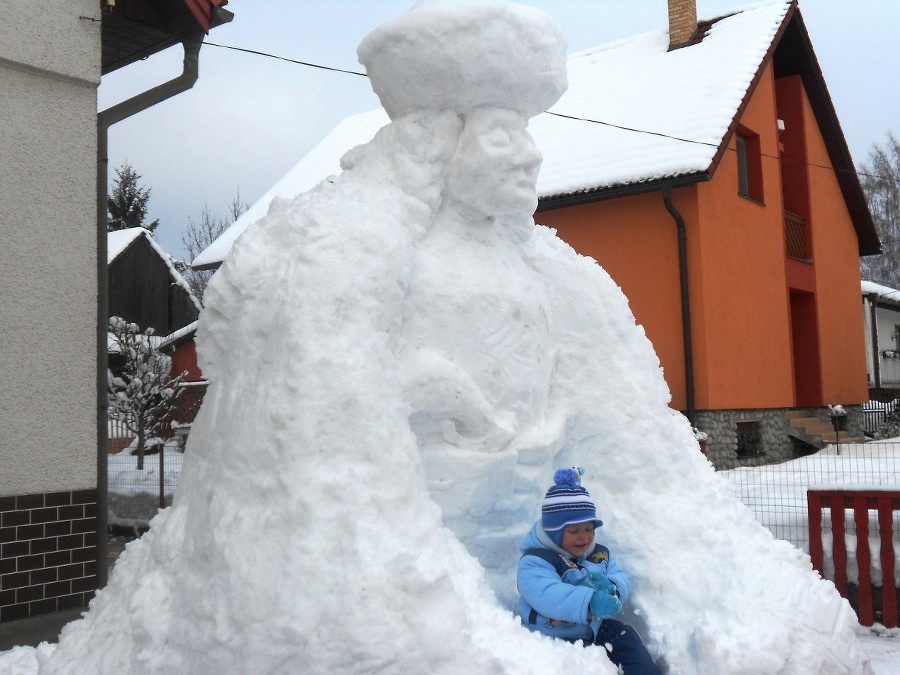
567,503
463,56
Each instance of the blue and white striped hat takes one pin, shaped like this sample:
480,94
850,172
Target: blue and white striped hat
567,503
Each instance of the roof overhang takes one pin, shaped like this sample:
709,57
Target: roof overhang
600,194
136,29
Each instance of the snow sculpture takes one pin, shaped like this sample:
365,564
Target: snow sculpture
405,325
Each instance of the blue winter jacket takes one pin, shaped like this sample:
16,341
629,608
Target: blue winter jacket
558,605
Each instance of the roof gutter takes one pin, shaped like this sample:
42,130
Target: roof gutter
685,304
666,188
579,198
105,119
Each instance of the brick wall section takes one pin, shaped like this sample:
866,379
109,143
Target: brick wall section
48,552
682,22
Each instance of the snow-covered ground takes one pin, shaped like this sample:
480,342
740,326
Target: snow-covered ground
777,496
883,648
134,495
775,493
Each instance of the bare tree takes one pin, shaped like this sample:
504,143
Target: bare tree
880,178
127,205
143,394
203,232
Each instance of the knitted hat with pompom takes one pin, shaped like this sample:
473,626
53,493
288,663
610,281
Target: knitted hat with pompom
567,503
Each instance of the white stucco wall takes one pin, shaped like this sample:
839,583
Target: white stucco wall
49,72
888,318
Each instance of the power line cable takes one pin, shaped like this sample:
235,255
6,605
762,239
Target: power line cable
714,145
284,58
310,64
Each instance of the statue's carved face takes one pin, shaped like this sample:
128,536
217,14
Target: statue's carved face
495,168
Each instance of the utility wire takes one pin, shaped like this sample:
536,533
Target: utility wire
556,114
283,58
714,145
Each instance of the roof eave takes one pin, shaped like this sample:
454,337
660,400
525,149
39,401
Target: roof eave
208,266
550,203
173,344
881,301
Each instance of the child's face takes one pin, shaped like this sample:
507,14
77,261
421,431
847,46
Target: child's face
577,539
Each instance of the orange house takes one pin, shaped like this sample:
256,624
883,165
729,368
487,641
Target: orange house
743,270
704,168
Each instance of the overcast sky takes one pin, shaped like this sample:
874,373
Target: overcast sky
250,118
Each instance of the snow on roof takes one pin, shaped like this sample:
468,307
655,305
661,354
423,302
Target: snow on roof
885,293
657,114
118,242
691,93
173,338
322,161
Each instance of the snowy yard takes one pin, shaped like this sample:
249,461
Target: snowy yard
777,492
133,494
777,496
883,648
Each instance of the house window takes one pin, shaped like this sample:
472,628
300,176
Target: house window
749,440
897,337
749,163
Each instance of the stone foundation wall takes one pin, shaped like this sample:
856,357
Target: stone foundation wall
774,442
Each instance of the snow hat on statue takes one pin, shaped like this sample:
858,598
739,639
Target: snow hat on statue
461,56
567,503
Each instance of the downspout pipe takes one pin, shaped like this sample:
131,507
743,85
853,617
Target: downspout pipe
685,305
876,361
105,119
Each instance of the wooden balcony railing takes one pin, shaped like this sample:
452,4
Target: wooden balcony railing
795,236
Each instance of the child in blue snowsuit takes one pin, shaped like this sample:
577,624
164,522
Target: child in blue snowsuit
570,587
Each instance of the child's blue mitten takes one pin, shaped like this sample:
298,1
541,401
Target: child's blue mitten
604,605
600,582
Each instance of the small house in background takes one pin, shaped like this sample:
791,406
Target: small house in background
147,290
881,318
705,169
181,348
144,286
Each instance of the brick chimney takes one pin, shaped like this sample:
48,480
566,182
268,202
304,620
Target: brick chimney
682,22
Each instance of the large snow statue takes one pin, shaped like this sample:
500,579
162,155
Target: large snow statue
401,349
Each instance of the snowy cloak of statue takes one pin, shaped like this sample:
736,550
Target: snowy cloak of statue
450,186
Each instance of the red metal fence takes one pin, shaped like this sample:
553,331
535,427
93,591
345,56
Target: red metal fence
858,502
